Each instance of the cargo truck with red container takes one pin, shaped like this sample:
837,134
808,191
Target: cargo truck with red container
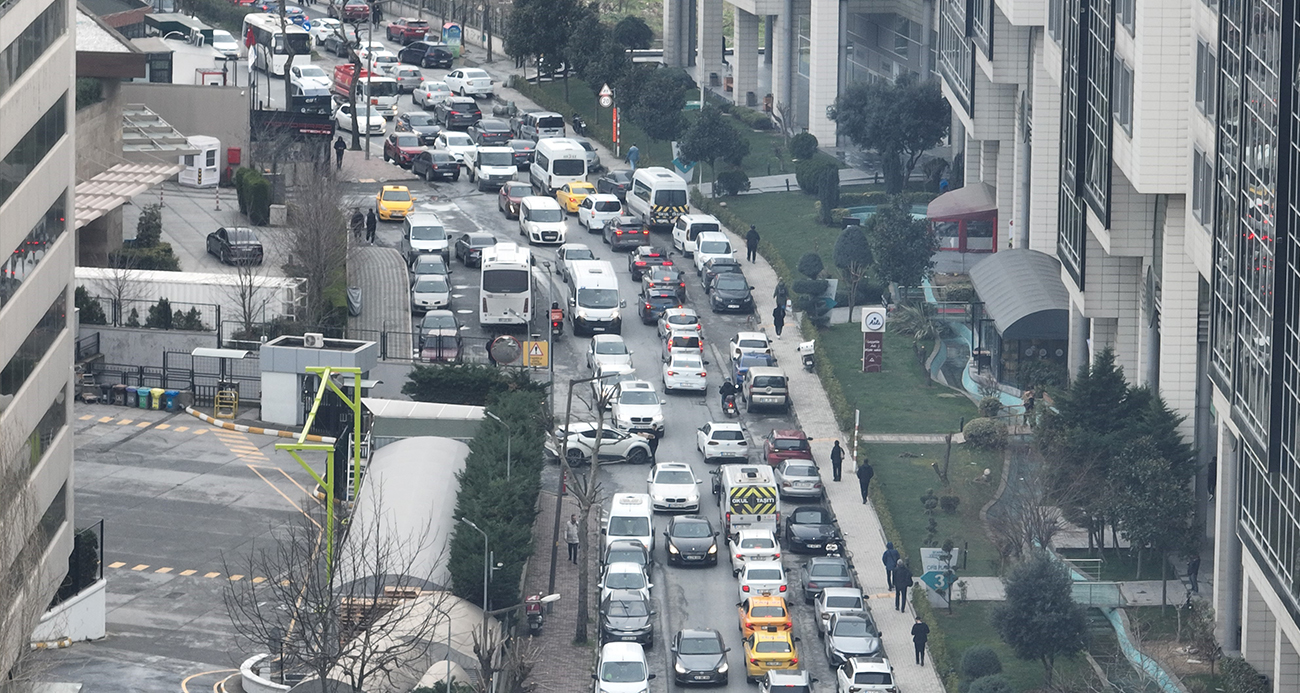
380,90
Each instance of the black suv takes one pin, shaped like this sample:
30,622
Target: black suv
615,183
436,163
731,293
458,112
426,54
490,132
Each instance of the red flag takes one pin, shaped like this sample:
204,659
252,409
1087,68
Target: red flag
248,38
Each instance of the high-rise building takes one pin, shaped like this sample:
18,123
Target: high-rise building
37,178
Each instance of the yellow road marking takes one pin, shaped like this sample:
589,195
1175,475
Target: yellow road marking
259,580
124,422
163,570
277,490
188,573
284,583
163,427
236,578
211,575
117,564
181,429
142,566
185,683
143,424
105,419
87,417
200,431
300,487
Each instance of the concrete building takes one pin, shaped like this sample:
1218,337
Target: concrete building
812,49
37,178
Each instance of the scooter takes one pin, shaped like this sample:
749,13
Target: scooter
806,350
557,322
579,125
729,406
533,610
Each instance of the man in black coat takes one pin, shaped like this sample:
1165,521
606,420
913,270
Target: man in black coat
902,583
371,223
339,147
920,634
751,243
865,472
837,460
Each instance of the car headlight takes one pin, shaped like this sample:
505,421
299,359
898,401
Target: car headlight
677,666
657,418
713,549
723,669
673,549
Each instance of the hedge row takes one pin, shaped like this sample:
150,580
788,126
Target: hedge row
254,193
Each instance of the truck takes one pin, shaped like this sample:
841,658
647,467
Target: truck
407,30
491,167
748,497
275,297
381,90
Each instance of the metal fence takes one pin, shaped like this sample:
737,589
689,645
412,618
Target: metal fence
202,376
87,347
85,563
394,345
126,312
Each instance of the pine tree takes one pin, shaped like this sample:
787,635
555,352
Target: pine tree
1040,619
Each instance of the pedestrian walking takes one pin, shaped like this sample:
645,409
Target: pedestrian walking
1029,406
865,472
571,538
358,223
1193,571
781,293
920,634
339,147
633,156
372,221
902,583
778,319
751,243
837,460
890,559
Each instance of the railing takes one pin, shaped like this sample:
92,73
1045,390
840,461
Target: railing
85,563
87,347
127,312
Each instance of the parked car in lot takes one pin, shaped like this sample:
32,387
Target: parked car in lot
786,444
426,54
235,245
624,232
798,479
722,441
436,163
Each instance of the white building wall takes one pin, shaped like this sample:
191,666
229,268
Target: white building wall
1178,316
823,67
1046,155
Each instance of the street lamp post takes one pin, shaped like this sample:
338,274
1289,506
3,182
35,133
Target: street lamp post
487,571
510,436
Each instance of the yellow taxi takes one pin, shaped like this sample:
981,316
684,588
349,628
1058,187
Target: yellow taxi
394,202
572,195
758,613
768,650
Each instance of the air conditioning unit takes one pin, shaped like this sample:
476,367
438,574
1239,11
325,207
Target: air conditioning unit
313,340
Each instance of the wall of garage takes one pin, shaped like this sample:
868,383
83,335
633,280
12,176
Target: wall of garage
195,109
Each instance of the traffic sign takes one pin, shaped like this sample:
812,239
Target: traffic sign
936,579
536,354
606,91
606,101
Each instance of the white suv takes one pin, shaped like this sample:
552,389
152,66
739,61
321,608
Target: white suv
710,245
637,408
615,445
866,675
622,669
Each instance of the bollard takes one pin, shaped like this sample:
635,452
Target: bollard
787,184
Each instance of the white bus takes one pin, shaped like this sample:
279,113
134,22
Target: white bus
271,46
505,286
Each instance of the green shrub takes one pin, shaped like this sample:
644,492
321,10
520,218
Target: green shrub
803,146
829,196
148,228
811,174
980,661
221,13
986,434
948,503
813,287
732,183
1039,373
157,257
990,407
133,318
466,383
89,92
160,315
190,320
811,265
756,120
1240,677
259,200
241,187
996,683
88,309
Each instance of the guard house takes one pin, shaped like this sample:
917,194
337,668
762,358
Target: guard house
288,389
1024,334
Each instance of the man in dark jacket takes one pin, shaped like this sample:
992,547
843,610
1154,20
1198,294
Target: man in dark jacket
371,223
890,559
920,634
865,472
751,243
902,583
339,147
837,460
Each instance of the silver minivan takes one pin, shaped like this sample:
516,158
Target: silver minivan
423,234
765,387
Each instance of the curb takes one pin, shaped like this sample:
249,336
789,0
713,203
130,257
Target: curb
255,429
59,644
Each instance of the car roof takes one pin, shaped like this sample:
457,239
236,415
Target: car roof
682,311
828,559
608,338
698,633
625,545
396,188
843,592
773,636
624,567
423,217
712,236
754,532
726,426
636,385
798,677
751,335
765,370
870,664
673,465
539,202
603,197
622,652
762,565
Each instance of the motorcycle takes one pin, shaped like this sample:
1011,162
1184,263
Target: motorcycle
729,405
557,322
579,125
533,610
806,350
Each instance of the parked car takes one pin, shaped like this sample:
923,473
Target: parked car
749,343
430,93
615,445
426,54
691,540
406,30
420,123
741,366
458,112
786,444
509,197
469,247
615,183
731,294
440,338
470,81
622,668
524,150
626,616
716,266
851,634
719,441
835,600
436,163
402,147
593,156
433,265
235,245
809,528
430,292
865,675
646,257
798,479
821,572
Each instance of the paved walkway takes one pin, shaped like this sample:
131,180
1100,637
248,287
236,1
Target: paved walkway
381,275
922,438
786,182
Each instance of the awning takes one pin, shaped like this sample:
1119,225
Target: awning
395,418
215,353
975,198
1023,293
112,188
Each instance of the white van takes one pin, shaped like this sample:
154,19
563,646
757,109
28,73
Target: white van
556,162
490,167
658,196
423,233
382,92
630,517
689,226
594,300
748,497
541,220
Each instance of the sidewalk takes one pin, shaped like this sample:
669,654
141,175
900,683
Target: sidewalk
385,306
785,182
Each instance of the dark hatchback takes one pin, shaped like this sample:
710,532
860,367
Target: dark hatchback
524,151
691,541
490,131
716,266
420,123
457,112
654,302
626,616
235,244
436,163
426,54
731,294
646,257
615,183
469,248
625,231
821,572
699,657
666,277
808,529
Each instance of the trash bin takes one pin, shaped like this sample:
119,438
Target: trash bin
143,393
129,400
106,393
169,400
155,398
119,394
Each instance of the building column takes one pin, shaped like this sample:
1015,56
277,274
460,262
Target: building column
768,50
745,61
823,68
1227,547
674,23
1287,675
709,42
783,61
1077,355
1258,630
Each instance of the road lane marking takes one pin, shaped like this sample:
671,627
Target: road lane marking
105,419
181,429
163,427
299,508
117,564
163,570
236,578
123,422
140,567
87,417
188,573
211,575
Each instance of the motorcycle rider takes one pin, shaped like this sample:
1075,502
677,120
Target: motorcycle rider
728,389
579,125
557,318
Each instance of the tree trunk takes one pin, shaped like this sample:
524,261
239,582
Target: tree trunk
1164,584
893,170
1048,665
1138,574
580,632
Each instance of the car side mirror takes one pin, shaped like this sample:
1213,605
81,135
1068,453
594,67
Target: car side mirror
728,649
650,677
699,481
622,304
652,612
649,585
663,402
593,676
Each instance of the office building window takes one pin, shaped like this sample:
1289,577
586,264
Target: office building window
32,148
55,515
1122,98
981,25
1097,41
1055,18
29,253
1206,72
41,437
1125,10
33,348
31,43
1202,186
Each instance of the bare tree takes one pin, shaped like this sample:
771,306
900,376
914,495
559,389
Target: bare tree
355,618
507,660
120,286
249,294
1024,518
315,244
587,494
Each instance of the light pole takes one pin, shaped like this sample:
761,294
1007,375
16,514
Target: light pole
487,571
510,436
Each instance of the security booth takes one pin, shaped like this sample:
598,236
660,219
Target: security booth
965,220
201,170
1023,326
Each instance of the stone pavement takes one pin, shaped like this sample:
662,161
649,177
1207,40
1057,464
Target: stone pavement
381,275
922,438
785,182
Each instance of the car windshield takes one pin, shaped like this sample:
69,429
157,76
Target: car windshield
241,236
637,397
767,612
699,646
517,189
407,140
764,574
728,434
435,86
607,206
843,602
731,282
610,346
690,530
855,628
752,344
625,556
629,526
757,543
697,229
546,215
505,281
383,88
598,298
309,70
873,678
457,139
622,672
627,608
772,646
569,167
625,581
770,381
813,516
714,247
805,470
586,145
671,198
692,364
397,196
439,322
431,285
836,569
790,443
496,158
674,476
419,119
441,157
482,241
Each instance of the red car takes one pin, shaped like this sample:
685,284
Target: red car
510,196
402,148
407,30
786,445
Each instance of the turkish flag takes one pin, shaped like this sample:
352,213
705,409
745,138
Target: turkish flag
248,38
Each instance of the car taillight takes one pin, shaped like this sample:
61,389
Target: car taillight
668,263
485,305
782,588
744,588
669,372
640,263
754,662
738,556
703,374
453,113
789,624
374,101
794,660
647,306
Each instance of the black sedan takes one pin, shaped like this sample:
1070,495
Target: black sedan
626,616
809,528
821,572
524,150
699,657
691,541
490,132
664,277
469,247
654,302
426,54
615,183
716,266
457,112
235,244
420,123
646,257
436,163
732,294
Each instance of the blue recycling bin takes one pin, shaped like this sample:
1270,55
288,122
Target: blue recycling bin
130,399
169,399
143,394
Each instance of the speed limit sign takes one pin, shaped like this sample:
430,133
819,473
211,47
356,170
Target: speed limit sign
606,101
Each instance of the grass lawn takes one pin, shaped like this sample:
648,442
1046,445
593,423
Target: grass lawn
1121,564
970,625
787,221
898,399
904,474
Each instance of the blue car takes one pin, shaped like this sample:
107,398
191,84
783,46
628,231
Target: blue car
747,360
